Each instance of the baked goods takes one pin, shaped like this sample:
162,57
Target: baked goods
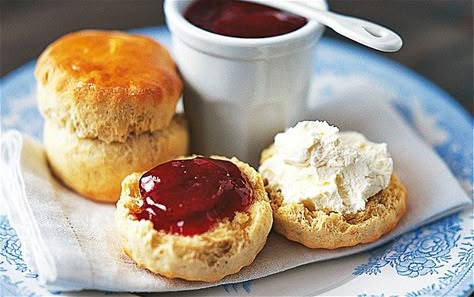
331,189
329,230
96,169
107,84
187,235
109,101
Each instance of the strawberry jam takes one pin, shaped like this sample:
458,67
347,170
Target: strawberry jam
189,196
242,19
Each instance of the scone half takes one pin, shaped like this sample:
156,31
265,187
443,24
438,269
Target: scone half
96,169
330,230
107,85
224,249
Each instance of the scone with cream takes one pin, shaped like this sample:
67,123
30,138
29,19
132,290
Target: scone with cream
108,99
196,218
331,189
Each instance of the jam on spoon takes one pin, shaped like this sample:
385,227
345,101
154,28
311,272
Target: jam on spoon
242,19
189,196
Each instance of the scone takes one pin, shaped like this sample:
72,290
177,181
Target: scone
108,99
330,189
95,169
196,218
107,85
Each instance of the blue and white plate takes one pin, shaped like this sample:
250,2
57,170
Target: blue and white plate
436,259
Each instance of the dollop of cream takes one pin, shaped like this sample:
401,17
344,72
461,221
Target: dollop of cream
315,164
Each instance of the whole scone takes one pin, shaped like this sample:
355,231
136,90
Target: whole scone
224,249
338,170
107,85
109,100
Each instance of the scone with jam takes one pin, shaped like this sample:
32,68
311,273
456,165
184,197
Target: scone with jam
196,218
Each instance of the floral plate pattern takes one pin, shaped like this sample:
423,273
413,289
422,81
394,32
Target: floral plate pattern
437,259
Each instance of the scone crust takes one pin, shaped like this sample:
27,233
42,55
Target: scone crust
225,249
96,169
330,230
107,84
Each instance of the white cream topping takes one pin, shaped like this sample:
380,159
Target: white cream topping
316,164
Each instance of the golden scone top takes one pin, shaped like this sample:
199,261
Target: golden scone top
107,85
110,59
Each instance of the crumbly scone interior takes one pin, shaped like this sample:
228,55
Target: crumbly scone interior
323,229
314,228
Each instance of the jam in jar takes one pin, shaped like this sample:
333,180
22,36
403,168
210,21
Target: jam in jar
242,19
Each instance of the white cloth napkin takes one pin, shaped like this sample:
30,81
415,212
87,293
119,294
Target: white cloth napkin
73,244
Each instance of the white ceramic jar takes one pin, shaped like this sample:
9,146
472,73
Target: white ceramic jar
239,92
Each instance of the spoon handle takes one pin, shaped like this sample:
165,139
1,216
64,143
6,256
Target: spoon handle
362,31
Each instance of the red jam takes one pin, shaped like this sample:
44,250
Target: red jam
189,196
242,19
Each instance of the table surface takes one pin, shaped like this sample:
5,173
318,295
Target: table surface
438,34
